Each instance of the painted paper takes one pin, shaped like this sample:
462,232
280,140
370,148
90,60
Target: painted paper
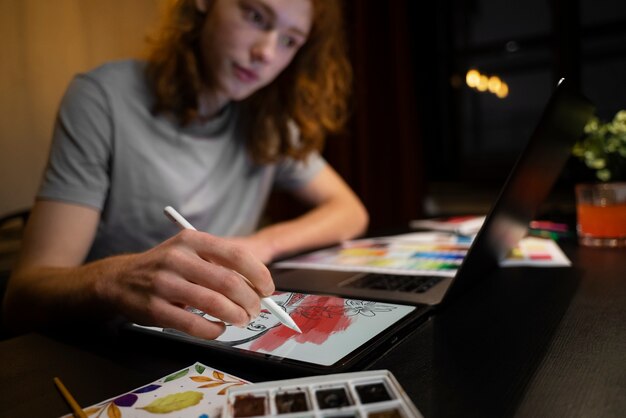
420,253
197,391
434,254
536,252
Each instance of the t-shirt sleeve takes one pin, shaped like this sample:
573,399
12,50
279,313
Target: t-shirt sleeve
292,174
78,167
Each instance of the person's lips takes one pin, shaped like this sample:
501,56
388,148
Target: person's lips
244,74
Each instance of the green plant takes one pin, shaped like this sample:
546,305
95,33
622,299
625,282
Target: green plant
603,148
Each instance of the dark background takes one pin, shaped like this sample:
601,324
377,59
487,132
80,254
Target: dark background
422,143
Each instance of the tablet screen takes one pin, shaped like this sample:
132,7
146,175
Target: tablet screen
332,328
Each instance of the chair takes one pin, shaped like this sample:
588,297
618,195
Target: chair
11,230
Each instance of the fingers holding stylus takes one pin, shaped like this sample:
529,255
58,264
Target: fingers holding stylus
226,253
187,278
155,287
187,322
213,289
232,256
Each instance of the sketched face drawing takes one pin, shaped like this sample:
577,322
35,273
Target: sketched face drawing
262,324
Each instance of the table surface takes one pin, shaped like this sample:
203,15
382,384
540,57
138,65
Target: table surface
527,342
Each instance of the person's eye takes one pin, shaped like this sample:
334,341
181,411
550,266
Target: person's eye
254,16
290,41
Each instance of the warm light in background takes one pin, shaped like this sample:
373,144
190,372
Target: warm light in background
503,91
494,84
482,82
472,78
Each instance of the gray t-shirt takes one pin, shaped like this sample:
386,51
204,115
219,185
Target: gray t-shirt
111,153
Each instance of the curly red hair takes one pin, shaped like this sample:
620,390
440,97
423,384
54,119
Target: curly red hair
311,92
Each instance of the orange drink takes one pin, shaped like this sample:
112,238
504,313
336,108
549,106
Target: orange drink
601,214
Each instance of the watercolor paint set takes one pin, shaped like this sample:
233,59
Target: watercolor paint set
367,394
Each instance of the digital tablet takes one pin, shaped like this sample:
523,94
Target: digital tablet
337,332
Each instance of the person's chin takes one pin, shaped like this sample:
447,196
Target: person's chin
242,94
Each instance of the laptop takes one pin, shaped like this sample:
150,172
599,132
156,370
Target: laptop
526,187
345,322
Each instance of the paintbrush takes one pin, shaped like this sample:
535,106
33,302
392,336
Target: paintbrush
76,409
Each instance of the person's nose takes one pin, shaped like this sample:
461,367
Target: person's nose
264,49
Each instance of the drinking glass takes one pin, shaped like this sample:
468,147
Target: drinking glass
601,214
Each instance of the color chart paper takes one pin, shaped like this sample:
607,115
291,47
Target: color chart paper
421,253
536,252
437,254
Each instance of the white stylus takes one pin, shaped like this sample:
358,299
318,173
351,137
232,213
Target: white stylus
267,303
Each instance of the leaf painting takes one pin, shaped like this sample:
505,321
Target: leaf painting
174,402
148,388
197,389
126,400
218,379
93,410
112,408
113,411
225,388
177,375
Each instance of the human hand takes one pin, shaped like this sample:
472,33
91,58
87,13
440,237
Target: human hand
255,244
190,269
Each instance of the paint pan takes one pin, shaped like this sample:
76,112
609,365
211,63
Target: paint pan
368,394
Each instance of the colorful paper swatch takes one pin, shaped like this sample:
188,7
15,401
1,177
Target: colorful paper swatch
536,252
433,254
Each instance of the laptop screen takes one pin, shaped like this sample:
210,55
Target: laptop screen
529,183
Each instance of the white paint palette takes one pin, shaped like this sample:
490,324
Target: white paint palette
367,394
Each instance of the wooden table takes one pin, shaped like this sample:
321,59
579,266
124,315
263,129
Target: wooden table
527,342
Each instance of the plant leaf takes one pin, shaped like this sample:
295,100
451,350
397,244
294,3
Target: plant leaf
176,375
218,375
175,402
200,369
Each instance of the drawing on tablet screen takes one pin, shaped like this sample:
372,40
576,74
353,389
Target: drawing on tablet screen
330,325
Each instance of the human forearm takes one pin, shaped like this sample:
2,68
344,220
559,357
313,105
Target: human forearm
40,297
151,288
326,224
337,214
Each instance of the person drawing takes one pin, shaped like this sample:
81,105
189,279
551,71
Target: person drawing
235,98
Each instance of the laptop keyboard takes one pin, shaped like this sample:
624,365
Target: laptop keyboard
393,282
